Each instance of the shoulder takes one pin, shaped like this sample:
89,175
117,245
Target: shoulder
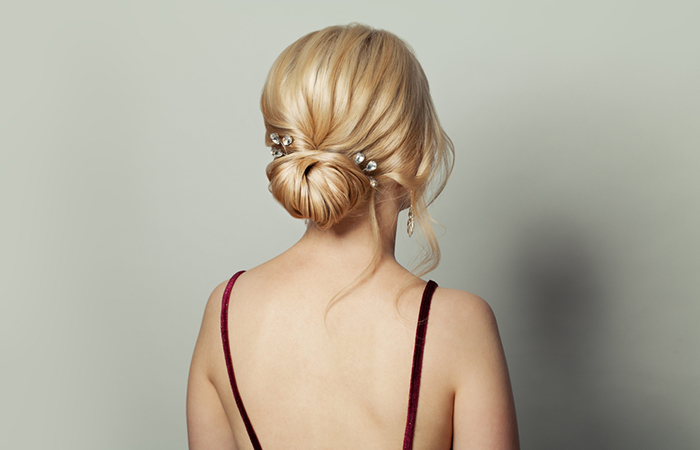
484,411
464,326
462,310
212,310
209,339
207,424
215,301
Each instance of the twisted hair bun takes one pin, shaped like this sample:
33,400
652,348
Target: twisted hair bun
321,186
350,89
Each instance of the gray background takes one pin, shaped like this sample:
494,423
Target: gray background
132,182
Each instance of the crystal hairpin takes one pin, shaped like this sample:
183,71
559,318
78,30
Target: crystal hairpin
285,142
369,167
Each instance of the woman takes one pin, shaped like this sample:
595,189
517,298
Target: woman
322,347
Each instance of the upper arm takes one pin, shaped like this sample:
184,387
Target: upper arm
484,410
208,427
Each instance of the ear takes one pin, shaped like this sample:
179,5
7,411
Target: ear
403,195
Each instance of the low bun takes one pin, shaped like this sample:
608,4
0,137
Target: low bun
321,186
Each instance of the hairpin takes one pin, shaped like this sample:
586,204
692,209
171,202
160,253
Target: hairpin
285,142
369,167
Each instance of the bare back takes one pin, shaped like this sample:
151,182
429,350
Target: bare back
339,380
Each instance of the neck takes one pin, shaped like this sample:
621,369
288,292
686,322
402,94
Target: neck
351,243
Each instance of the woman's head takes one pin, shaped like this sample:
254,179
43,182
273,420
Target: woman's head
344,90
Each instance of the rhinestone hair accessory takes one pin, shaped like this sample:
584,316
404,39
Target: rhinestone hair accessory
285,142
369,167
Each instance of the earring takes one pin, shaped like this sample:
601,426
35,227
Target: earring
409,225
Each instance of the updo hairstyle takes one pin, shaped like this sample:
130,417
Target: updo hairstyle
344,90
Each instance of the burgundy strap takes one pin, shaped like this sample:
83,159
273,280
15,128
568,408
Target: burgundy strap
421,328
229,364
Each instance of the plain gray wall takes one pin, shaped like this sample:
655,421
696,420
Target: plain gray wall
132,182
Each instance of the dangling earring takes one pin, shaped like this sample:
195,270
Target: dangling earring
409,225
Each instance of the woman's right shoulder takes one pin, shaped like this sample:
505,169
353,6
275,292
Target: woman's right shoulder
465,326
467,336
462,310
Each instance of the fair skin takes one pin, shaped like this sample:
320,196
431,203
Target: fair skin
340,381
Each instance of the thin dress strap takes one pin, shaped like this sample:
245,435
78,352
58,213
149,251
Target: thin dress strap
421,329
416,370
229,363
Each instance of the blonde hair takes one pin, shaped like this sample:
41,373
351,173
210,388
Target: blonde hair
349,89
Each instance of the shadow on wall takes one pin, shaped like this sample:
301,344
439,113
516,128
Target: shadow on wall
569,391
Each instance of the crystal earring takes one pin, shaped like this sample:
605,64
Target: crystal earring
409,225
